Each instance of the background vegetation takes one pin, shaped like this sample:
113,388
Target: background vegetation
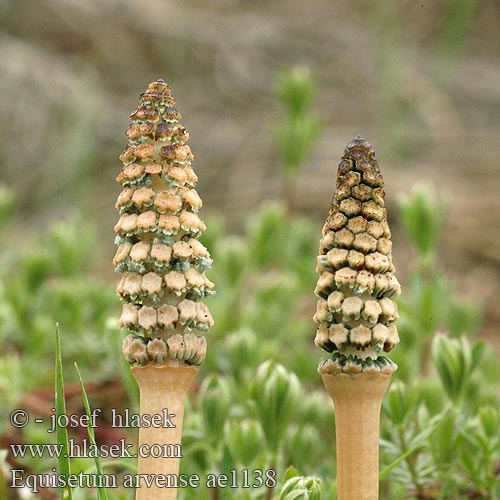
421,81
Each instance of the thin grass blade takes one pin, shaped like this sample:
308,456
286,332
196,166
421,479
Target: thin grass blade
101,491
61,432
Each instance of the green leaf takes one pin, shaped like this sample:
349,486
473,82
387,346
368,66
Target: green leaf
267,234
455,360
245,440
477,352
289,473
276,392
443,446
300,129
295,90
295,140
61,432
71,244
416,446
101,492
490,421
241,348
214,400
305,445
231,256
422,215
303,487
401,401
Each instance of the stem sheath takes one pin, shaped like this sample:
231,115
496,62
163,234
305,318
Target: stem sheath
162,388
357,400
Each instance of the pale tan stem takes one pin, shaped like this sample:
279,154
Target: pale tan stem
357,400
162,389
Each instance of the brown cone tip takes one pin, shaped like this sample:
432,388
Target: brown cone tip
356,286
359,147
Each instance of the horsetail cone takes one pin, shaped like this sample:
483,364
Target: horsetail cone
159,256
355,311
355,316
163,280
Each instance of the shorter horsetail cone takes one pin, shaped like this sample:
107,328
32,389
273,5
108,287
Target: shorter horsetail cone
356,286
163,282
355,316
159,256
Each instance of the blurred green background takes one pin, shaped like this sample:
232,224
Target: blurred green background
420,80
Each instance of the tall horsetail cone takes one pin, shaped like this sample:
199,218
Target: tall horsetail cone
163,281
355,311
159,256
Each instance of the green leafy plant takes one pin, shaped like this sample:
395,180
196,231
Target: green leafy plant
423,215
276,393
300,128
300,487
455,361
